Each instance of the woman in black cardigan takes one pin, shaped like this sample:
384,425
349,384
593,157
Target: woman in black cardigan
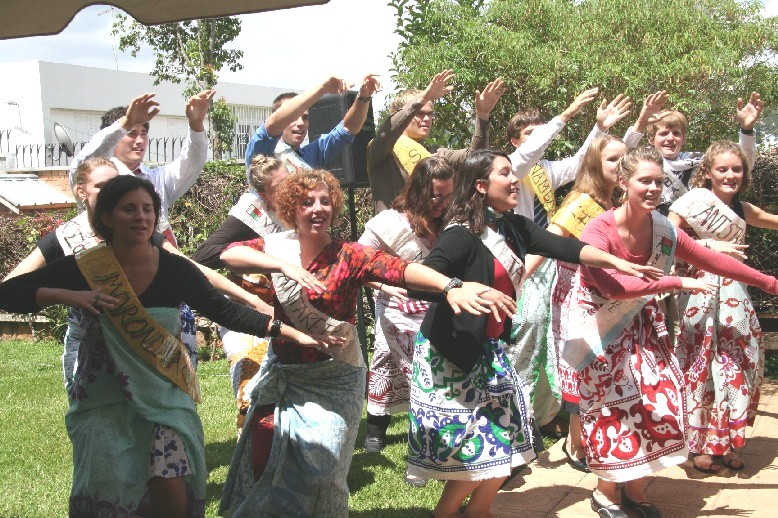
470,421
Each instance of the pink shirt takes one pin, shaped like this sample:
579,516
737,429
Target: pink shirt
601,232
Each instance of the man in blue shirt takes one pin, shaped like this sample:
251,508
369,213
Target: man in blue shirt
285,130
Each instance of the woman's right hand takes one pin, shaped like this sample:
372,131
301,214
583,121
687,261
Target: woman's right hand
478,299
303,277
698,285
92,302
322,343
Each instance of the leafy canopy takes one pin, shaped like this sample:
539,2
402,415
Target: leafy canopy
706,53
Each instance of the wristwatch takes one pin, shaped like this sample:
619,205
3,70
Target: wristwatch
453,283
275,329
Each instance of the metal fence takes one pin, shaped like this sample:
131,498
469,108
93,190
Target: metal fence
159,150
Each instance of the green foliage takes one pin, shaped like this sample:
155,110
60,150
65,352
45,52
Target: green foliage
706,53
195,50
223,122
204,207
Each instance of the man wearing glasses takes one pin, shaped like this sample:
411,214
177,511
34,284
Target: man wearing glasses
398,145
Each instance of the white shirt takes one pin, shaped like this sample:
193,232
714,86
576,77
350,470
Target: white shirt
170,181
560,172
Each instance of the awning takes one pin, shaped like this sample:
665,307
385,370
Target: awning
22,192
42,17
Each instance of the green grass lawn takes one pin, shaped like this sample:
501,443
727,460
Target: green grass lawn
35,454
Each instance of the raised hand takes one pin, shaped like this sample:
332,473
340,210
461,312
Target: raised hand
577,105
747,113
609,114
370,85
197,108
334,85
486,100
439,86
653,104
140,111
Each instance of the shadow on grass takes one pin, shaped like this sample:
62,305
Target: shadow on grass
410,512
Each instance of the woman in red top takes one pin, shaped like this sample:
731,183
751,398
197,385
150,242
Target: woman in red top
631,387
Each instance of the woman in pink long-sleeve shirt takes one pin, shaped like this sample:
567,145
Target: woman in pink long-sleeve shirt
632,402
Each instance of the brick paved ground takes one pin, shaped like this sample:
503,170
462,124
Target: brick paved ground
549,487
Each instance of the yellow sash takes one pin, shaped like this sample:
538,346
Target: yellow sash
577,211
540,182
408,152
152,342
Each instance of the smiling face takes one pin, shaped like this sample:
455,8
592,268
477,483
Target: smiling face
669,141
95,180
502,187
610,156
644,187
132,219
726,176
294,134
132,147
314,214
421,124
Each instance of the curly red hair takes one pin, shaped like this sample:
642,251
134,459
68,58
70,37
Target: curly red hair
293,189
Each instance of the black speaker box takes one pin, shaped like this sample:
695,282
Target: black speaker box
350,167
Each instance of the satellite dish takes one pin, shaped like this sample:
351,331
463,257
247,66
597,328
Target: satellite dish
65,142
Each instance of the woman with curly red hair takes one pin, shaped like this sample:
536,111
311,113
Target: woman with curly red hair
296,446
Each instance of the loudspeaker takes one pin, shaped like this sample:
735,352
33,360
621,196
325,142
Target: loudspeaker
350,167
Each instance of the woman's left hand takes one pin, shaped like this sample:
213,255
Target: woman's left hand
639,270
478,299
303,277
322,343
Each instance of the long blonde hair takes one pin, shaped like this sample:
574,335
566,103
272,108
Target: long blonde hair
590,178
715,150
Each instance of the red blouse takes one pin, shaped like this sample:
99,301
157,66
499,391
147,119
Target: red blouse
342,267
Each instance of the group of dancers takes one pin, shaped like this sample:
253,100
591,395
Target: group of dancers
629,311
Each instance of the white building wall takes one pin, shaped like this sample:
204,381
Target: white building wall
42,93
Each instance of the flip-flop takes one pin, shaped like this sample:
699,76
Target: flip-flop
709,470
735,464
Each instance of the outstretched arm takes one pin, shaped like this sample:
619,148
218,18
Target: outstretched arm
357,115
293,108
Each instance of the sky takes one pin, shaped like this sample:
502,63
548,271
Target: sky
292,48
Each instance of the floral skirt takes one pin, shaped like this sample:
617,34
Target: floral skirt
467,425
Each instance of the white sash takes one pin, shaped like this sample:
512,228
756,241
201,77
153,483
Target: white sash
253,212
503,253
590,330
289,157
708,216
76,235
392,228
674,188
299,309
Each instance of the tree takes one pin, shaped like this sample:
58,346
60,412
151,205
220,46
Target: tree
706,53
194,51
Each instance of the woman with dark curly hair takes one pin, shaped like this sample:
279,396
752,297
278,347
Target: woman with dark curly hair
296,446
138,445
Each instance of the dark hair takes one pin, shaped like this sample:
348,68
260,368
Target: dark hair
113,191
468,204
113,115
523,119
715,150
278,101
416,198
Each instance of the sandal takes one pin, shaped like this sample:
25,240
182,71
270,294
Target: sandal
579,464
641,509
607,510
733,461
713,469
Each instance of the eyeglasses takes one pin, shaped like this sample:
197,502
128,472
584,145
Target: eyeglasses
423,115
439,198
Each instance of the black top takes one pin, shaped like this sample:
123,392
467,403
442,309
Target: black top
177,281
230,231
460,253
52,250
